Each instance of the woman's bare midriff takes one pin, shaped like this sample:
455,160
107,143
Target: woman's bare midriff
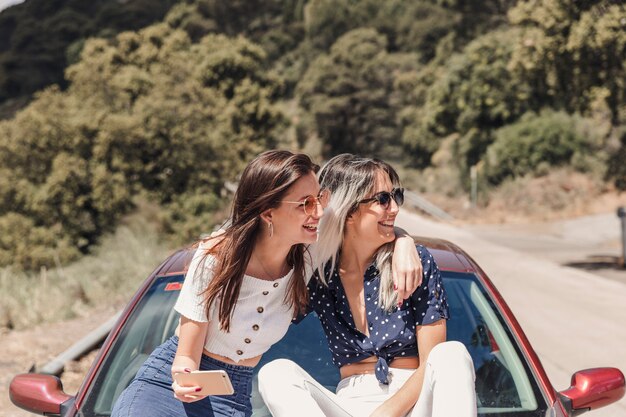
367,366
244,362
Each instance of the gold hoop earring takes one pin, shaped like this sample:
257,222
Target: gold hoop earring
271,227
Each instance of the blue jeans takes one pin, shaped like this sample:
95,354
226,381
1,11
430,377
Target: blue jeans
150,393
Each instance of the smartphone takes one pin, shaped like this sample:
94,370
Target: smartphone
212,382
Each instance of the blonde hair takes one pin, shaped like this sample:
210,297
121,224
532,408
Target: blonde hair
351,178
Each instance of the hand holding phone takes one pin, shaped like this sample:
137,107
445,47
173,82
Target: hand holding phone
212,382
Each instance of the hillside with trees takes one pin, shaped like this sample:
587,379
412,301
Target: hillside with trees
40,38
170,112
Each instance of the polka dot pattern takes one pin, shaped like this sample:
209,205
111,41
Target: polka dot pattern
391,334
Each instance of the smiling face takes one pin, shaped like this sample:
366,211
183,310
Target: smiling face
291,224
371,221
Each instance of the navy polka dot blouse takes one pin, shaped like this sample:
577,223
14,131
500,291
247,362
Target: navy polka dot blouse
392,334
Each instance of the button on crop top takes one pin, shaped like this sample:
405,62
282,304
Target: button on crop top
392,334
260,319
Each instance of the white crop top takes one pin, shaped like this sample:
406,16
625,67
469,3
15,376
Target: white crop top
260,319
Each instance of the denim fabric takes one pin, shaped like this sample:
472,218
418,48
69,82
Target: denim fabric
150,393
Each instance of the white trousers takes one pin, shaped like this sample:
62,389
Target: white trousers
448,389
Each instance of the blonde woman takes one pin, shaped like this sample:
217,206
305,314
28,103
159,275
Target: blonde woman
392,353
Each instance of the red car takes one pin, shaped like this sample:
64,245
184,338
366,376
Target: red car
510,380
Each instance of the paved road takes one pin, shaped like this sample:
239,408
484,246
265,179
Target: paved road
573,318
591,243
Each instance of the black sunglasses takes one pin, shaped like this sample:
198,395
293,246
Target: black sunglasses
384,198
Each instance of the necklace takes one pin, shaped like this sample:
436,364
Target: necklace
267,274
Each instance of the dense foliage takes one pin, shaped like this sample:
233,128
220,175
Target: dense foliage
537,142
349,94
172,111
39,38
149,113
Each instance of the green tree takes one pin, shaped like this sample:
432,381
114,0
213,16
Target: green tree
36,36
537,142
569,48
473,93
149,113
327,20
415,27
349,93
597,46
558,54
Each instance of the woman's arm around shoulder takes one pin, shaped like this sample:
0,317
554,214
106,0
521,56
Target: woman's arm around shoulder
407,266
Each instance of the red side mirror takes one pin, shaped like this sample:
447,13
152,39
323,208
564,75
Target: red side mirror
594,388
38,393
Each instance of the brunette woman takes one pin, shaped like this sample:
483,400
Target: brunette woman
239,297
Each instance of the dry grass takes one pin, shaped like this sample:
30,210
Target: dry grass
106,277
559,194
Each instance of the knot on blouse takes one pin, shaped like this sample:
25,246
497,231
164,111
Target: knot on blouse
382,370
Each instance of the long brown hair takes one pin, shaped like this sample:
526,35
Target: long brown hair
263,183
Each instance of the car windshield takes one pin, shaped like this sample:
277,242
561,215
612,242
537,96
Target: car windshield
504,384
